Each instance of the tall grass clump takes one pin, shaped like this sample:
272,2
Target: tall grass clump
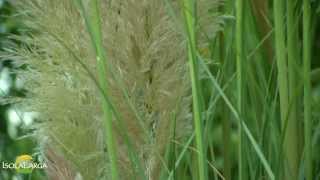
119,65
170,89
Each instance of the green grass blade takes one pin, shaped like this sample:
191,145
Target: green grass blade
190,20
226,123
307,87
93,24
239,59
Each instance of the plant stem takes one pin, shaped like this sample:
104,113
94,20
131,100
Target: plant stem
93,24
307,87
292,132
240,59
189,12
282,67
225,119
225,112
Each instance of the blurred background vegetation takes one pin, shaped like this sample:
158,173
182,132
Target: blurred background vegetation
14,139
